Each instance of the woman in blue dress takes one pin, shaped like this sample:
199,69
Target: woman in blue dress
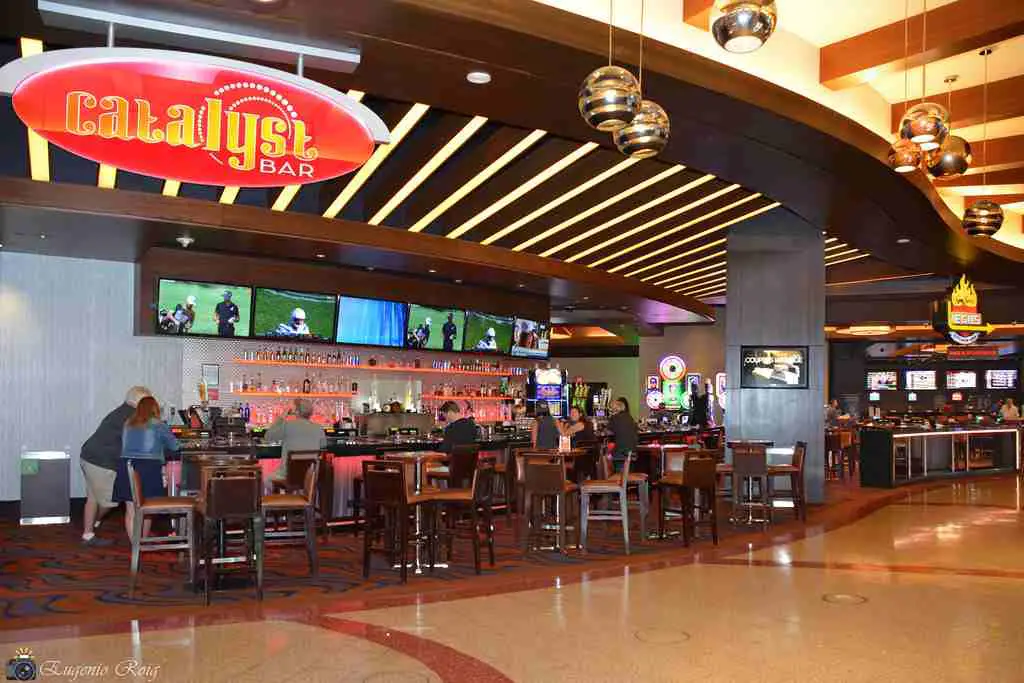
143,442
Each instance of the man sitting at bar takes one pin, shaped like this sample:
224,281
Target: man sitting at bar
296,432
458,431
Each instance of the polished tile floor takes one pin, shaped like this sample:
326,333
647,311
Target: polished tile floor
928,588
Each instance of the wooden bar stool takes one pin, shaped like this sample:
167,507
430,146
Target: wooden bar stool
231,496
287,504
616,485
544,481
181,507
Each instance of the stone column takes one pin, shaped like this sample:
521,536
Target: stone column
776,297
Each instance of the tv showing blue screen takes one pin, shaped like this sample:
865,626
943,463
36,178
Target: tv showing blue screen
370,322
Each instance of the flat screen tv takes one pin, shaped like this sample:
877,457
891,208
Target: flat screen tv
773,367
486,333
883,380
961,379
203,308
290,315
530,338
1000,379
370,322
435,329
920,380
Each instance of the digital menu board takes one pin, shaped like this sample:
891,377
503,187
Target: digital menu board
882,380
961,379
920,380
1000,379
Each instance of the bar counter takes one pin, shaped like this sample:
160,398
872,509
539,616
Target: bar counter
894,456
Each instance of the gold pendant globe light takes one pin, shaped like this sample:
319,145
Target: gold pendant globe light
983,218
647,134
742,26
953,157
926,123
904,155
609,97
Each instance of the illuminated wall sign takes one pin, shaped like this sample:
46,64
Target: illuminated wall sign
720,386
958,316
672,368
190,117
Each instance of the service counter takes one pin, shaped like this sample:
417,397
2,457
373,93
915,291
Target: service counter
890,457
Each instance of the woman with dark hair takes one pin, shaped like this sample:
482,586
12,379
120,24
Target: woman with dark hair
143,442
623,429
544,433
578,428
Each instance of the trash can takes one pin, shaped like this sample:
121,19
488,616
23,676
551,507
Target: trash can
45,487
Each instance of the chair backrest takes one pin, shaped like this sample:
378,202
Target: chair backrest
799,453
384,483
462,465
543,474
833,441
750,459
297,466
135,481
675,461
585,464
192,465
483,484
232,492
700,473
309,481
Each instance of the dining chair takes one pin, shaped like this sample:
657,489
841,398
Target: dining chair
615,486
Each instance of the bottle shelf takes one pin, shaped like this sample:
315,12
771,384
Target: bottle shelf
373,368
444,397
292,394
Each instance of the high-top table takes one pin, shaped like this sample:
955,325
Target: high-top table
419,461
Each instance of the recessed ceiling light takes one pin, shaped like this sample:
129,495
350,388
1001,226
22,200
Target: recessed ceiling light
431,271
321,255
458,282
185,241
478,77
586,298
370,268
42,235
903,240
520,285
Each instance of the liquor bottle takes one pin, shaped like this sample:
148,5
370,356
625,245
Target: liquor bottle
245,384
307,386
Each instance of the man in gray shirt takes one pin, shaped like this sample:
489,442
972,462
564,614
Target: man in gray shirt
296,432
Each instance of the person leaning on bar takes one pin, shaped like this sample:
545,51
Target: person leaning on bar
143,442
99,459
296,432
458,431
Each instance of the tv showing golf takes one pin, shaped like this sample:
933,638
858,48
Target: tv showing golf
436,329
203,308
284,314
487,333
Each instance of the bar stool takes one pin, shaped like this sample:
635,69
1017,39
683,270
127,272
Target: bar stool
231,495
468,513
750,469
303,502
461,467
171,506
671,480
795,470
294,482
616,485
388,505
544,480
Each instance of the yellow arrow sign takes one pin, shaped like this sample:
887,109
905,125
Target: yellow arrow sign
988,328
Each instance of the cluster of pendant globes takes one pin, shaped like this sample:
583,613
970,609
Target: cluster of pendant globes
926,142
610,101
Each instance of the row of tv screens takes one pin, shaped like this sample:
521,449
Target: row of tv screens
927,380
212,309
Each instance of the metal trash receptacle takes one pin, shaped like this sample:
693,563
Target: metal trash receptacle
45,487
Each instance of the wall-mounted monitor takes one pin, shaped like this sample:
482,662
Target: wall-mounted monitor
775,367
203,308
875,396
961,379
882,380
1001,380
530,338
487,333
920,380
290,315
370,322
435,329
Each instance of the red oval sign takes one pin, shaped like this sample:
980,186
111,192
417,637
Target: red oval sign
197,121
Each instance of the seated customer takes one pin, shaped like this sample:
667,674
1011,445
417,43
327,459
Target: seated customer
143,441
296,432
623,429
578,428
458,431
544,434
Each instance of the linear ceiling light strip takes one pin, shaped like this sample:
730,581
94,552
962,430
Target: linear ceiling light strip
107,177
428,169
848,252
711,295
542,177
657,201
674,280
655,221
687,273
830,240
638,245
478,180
847,260
697,250
710,291
38,147
597,208
692,281
230,194
841,245
558,201
288,192
407,123
668,233
171,188
676,257
710,284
